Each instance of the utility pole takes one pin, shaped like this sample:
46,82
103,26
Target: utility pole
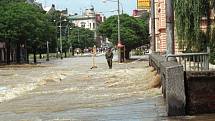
119,41
95,33
170,27
153,43
61,48
119,45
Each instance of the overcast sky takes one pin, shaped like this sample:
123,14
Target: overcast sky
76,6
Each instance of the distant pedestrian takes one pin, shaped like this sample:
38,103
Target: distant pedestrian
109,57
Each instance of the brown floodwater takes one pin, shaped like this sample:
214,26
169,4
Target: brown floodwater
68,89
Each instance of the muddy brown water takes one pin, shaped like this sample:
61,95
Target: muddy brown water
68,89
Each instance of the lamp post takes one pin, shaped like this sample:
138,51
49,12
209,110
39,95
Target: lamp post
68,35
170,27
61,46
119,41
153,42
56,36
118,26
60,26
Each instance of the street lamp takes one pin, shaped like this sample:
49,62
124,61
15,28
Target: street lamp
118,19
68,35
61,45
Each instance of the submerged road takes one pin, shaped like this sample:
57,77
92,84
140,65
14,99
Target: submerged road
68,90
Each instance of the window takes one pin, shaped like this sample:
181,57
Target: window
83,24
94,26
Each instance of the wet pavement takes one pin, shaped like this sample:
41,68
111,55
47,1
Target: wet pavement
68,90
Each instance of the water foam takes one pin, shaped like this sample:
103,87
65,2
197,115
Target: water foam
13,91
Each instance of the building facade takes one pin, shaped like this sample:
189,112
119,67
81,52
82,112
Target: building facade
89,19
160,28
49,9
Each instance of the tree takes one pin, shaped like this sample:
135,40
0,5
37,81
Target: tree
24,24
190,36
188,23
134,31
81,38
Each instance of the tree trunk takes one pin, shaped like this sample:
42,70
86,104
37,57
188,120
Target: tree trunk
8,52
27,56
18,53
122,59
40,55
65,54
35,58
73,52
5,54
127,54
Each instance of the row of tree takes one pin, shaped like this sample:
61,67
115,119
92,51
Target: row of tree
22,24
27,26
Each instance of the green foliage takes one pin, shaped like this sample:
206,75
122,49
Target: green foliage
5,2
212,57
81,38
138,52
188,15
133,31
21,22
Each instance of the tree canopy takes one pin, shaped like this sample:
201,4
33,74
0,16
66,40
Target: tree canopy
190,36
22,23
81,38
134,31
189,14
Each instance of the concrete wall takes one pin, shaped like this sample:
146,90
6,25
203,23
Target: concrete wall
172,77
155,61
200,92
185,92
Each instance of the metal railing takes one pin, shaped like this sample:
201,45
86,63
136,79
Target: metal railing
192,61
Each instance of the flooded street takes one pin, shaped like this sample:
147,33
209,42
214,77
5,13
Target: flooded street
64,90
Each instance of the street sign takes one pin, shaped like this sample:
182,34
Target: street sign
143,4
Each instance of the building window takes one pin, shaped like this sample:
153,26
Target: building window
90,25
94,26
83,24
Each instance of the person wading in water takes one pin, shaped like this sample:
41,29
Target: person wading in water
109,57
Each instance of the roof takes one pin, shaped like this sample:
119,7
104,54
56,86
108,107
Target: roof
47,8
81,17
